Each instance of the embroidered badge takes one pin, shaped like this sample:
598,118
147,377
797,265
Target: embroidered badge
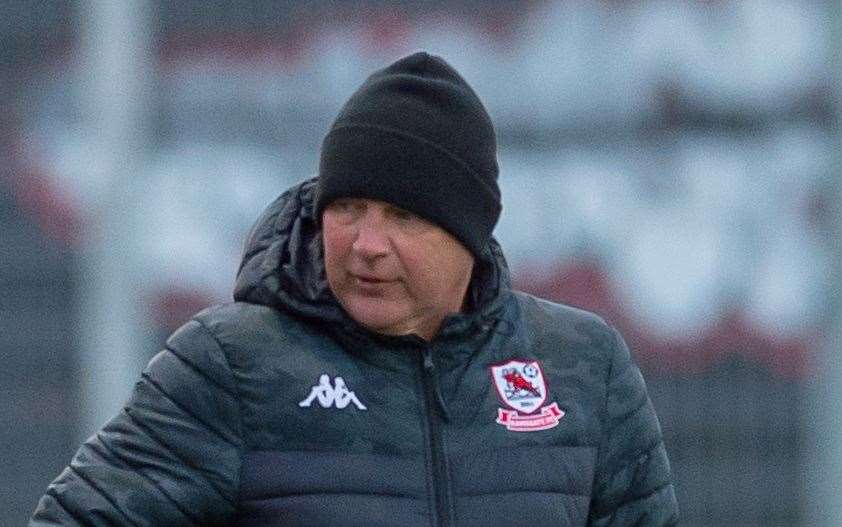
521,386
329,395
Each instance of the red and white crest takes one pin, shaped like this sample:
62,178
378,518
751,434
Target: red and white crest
522,387
520,384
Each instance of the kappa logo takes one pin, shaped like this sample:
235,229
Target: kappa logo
331,395
521,386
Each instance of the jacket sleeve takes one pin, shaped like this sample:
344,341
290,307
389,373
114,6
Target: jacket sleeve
632,484
170,457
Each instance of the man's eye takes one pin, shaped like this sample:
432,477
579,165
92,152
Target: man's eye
410,220
343,206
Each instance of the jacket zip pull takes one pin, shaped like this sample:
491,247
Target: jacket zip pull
430,368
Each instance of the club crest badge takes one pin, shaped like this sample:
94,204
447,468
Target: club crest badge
522,388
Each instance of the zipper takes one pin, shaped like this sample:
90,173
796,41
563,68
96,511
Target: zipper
435,414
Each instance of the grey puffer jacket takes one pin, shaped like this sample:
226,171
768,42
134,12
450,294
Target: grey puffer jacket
277,409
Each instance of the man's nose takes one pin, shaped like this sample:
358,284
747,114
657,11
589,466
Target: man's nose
372,239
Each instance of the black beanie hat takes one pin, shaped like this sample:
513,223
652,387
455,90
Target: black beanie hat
417,136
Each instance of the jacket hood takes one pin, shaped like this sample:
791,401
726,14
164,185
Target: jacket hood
283,266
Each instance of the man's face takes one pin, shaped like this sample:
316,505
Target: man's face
393,272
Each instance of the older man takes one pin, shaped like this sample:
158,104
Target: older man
375,367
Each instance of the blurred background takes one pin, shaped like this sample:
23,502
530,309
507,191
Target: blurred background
672,165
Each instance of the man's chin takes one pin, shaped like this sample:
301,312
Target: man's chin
374,315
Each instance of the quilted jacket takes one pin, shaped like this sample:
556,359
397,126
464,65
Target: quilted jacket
278,409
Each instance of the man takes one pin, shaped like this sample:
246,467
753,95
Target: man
375,367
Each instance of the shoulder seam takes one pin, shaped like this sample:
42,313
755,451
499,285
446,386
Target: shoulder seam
222,348
240,424
199,371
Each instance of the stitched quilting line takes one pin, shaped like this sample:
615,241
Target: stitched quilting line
181,458
138,470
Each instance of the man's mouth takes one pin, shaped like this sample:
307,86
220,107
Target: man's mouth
369,280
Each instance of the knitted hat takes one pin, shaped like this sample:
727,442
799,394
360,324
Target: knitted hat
417,136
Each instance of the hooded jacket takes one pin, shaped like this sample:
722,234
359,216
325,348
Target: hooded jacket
278,409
